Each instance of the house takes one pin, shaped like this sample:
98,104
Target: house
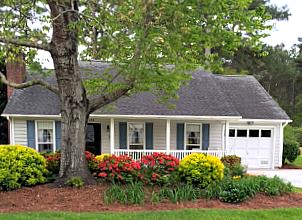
215,114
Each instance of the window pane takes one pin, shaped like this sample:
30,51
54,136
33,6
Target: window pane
136,134
45,131
193,134
265,133
241,133
90,133
254,133
232,133
45,147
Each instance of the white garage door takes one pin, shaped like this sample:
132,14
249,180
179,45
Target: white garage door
253,145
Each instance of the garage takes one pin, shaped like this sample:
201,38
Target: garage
254,145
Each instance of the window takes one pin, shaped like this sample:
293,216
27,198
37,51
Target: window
232,133
266,133
136,132
241,133
253,133
192,136
45,134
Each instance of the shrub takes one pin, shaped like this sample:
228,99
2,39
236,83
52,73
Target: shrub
102,157
54,159
158,168
231,160
53,163
129,194
291,145
236,170
118,169
237,190
201,170
91,162
75,181
291,151
20,166
234,191
273,186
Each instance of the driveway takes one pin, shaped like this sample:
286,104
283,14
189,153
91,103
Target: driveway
294,176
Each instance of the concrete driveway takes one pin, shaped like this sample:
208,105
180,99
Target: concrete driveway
294,176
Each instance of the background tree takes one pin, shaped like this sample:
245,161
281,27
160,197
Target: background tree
139,37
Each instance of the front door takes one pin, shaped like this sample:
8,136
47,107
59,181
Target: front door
93,138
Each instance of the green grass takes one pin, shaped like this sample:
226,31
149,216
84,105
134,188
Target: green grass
298,161
187,214
297,190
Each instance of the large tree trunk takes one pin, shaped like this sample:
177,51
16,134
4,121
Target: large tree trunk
74,102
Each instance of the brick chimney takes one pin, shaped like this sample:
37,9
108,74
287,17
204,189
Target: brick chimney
15,72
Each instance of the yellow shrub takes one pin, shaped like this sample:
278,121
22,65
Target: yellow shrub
20,166
200,169
102,157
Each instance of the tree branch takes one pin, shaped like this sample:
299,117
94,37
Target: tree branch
28,84
102,100
26,44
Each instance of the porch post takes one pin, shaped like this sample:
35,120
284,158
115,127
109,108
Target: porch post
111,135
168,135
227,128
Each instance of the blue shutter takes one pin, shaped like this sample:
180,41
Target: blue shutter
31,134
180,129
123,135
205,136
58,135
149,136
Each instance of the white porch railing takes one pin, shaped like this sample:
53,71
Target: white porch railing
180,154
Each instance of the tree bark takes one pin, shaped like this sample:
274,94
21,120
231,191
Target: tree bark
74,102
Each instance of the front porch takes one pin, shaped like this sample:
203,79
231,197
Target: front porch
179,137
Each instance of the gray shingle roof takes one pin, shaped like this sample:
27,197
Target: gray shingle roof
205,95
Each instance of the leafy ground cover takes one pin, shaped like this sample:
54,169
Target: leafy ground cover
188,214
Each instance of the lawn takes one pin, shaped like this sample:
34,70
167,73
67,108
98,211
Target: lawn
204,214
298,161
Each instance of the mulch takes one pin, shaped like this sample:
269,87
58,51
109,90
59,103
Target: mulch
290,166
90,199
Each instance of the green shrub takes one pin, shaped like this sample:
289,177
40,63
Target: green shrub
236,170
291,145
238,190
75,181
20,166
291,151
231,160
128,194
201,170
273,186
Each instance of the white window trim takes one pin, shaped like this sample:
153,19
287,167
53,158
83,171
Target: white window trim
54,134
260,128
185,136
144,134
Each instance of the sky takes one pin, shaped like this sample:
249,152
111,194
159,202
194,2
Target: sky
286,32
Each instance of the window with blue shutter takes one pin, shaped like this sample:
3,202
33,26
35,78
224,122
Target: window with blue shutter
180,129
149,136
31,134
205,136
123,135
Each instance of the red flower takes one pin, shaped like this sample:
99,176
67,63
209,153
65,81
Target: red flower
103,174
